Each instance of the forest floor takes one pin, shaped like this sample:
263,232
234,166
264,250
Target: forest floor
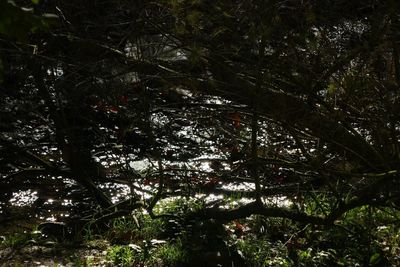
41,255
24,247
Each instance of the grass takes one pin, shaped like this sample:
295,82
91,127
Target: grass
121,255
166,254
139,240
18,239
172,254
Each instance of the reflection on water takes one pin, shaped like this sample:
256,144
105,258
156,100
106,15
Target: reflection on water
145,181
140,165
119,192
23,198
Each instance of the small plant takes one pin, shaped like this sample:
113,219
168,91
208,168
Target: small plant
151,253
260,252
151,228
140,227
90,232
16,240
121,255
172,254
80,262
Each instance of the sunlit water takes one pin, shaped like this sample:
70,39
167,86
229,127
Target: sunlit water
121,191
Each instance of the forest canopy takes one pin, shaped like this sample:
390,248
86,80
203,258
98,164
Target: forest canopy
286,109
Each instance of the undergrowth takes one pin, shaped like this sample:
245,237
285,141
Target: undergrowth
366,236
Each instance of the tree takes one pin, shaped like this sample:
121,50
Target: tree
298,99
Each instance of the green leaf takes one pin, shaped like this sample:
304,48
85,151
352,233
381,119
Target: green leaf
375,259
35,1
219,31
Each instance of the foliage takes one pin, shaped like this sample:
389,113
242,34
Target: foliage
142,227
167,254
172,254
15,240
261,252
314,140
361,238
121,255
